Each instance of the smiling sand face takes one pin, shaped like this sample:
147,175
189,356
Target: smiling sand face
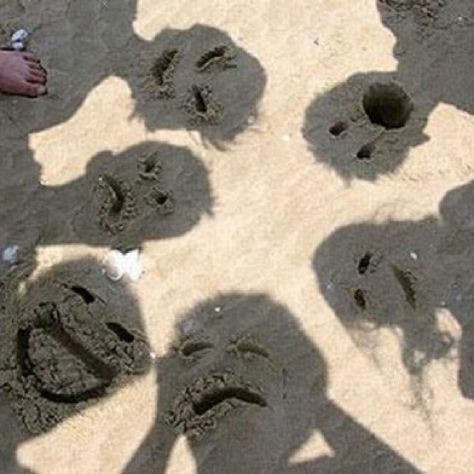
73,339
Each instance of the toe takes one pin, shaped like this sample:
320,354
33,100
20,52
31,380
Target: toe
31,89
29,57
36,77
37,71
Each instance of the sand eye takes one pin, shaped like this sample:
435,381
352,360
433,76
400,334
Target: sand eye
248,348
122,333
86,295
191,349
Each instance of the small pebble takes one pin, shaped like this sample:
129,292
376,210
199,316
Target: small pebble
217,309
413,255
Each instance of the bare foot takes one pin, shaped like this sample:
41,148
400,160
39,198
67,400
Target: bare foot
22,74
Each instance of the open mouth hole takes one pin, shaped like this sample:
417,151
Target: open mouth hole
387,105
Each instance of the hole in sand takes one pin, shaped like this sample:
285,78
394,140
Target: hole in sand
83,293
210,400
405,280
161,66
365,153
149,164
359,298
387,105
364,263
199,100
161,198
118,196
121,332
338,129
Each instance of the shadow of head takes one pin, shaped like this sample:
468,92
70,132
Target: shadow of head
388,276
398,274
365,127
456,214
434,47
150,191
239,368
194,79
69,340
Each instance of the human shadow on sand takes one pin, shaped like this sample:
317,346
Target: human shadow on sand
247,388
195,79
366,126
69,340
150,191
398,275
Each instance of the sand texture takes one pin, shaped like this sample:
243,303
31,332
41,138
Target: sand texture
298,178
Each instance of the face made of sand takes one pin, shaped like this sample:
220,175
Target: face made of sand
365,126
70,340
236,376
196,79
150,191
247,388
397,275
233,378
240,382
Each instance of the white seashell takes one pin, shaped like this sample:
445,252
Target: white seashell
19,36
10,254
133,266
117,265
18,45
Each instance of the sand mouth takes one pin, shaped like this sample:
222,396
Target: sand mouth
70,349
387,105
199,407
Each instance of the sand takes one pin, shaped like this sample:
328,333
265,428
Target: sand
297,177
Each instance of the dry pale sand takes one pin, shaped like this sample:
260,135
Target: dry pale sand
297,176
